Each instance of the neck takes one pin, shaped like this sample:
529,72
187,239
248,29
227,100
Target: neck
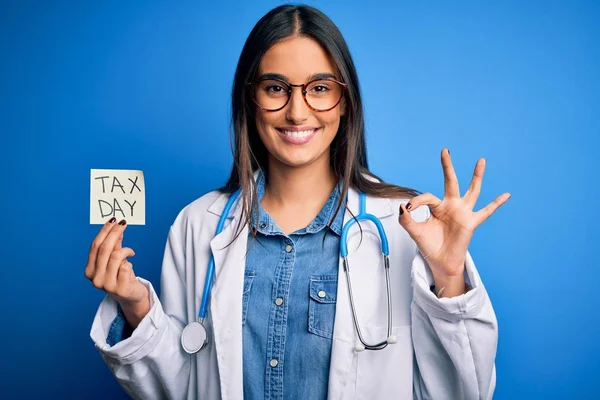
292,187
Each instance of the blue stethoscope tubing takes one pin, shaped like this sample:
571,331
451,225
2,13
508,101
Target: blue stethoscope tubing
194,336
364,216
210,272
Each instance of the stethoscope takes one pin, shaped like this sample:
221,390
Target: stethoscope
195,336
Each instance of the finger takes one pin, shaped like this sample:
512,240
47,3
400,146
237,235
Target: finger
451,189
95,246
119,244
114,262
427,199
106,249
488,210
472,193
408,223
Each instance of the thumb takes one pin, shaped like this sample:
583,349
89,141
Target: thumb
413,228
125,274
133,290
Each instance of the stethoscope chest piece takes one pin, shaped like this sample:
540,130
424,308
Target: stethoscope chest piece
194,337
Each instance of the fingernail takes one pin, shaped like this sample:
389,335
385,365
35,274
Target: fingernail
408,206
112,220
401,210
123,222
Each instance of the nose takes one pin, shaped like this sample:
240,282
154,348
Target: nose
296,110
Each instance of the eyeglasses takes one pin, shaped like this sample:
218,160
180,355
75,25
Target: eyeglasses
320,94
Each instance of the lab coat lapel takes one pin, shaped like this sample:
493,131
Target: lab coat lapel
343,355
226,303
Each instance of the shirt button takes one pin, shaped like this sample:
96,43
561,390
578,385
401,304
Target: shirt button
273,363
262,225
288,248
279,301
322,294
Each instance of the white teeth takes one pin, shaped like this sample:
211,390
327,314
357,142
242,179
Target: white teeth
301,134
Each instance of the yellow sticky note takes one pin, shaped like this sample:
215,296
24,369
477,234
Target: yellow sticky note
119,193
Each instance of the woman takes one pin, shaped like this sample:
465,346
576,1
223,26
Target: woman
281,320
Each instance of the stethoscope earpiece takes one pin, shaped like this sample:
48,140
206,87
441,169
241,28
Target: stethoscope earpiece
359,347
392,339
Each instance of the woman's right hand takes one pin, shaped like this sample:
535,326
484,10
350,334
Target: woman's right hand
109,270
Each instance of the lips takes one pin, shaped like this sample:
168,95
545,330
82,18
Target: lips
297,136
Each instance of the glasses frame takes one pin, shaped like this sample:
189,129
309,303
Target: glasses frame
251,85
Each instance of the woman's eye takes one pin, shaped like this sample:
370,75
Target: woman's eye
275,89
319,89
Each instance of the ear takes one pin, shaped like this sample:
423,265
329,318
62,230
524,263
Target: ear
343,107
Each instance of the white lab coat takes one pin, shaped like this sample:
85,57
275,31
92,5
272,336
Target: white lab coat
445,350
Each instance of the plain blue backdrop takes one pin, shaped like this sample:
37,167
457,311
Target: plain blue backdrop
145,85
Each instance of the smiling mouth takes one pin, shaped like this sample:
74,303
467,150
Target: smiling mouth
299,134
297,137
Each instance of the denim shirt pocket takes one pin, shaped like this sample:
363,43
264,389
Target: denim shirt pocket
321,309
248,279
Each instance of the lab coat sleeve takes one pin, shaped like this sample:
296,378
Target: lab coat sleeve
454,339
151,363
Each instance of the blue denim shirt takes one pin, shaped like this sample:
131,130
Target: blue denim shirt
119,329
290,289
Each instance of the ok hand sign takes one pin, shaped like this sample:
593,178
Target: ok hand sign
444,238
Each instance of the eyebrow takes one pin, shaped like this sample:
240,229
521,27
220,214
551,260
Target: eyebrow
319,75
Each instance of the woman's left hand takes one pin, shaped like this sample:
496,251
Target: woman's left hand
444,238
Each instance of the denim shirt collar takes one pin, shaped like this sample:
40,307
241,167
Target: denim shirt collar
267,225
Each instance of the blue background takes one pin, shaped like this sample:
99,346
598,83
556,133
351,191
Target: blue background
145,85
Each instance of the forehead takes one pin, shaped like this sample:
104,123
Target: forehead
296,58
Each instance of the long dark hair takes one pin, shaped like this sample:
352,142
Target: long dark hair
348,156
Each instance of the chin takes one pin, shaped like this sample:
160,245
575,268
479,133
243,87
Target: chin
295,162
299,160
